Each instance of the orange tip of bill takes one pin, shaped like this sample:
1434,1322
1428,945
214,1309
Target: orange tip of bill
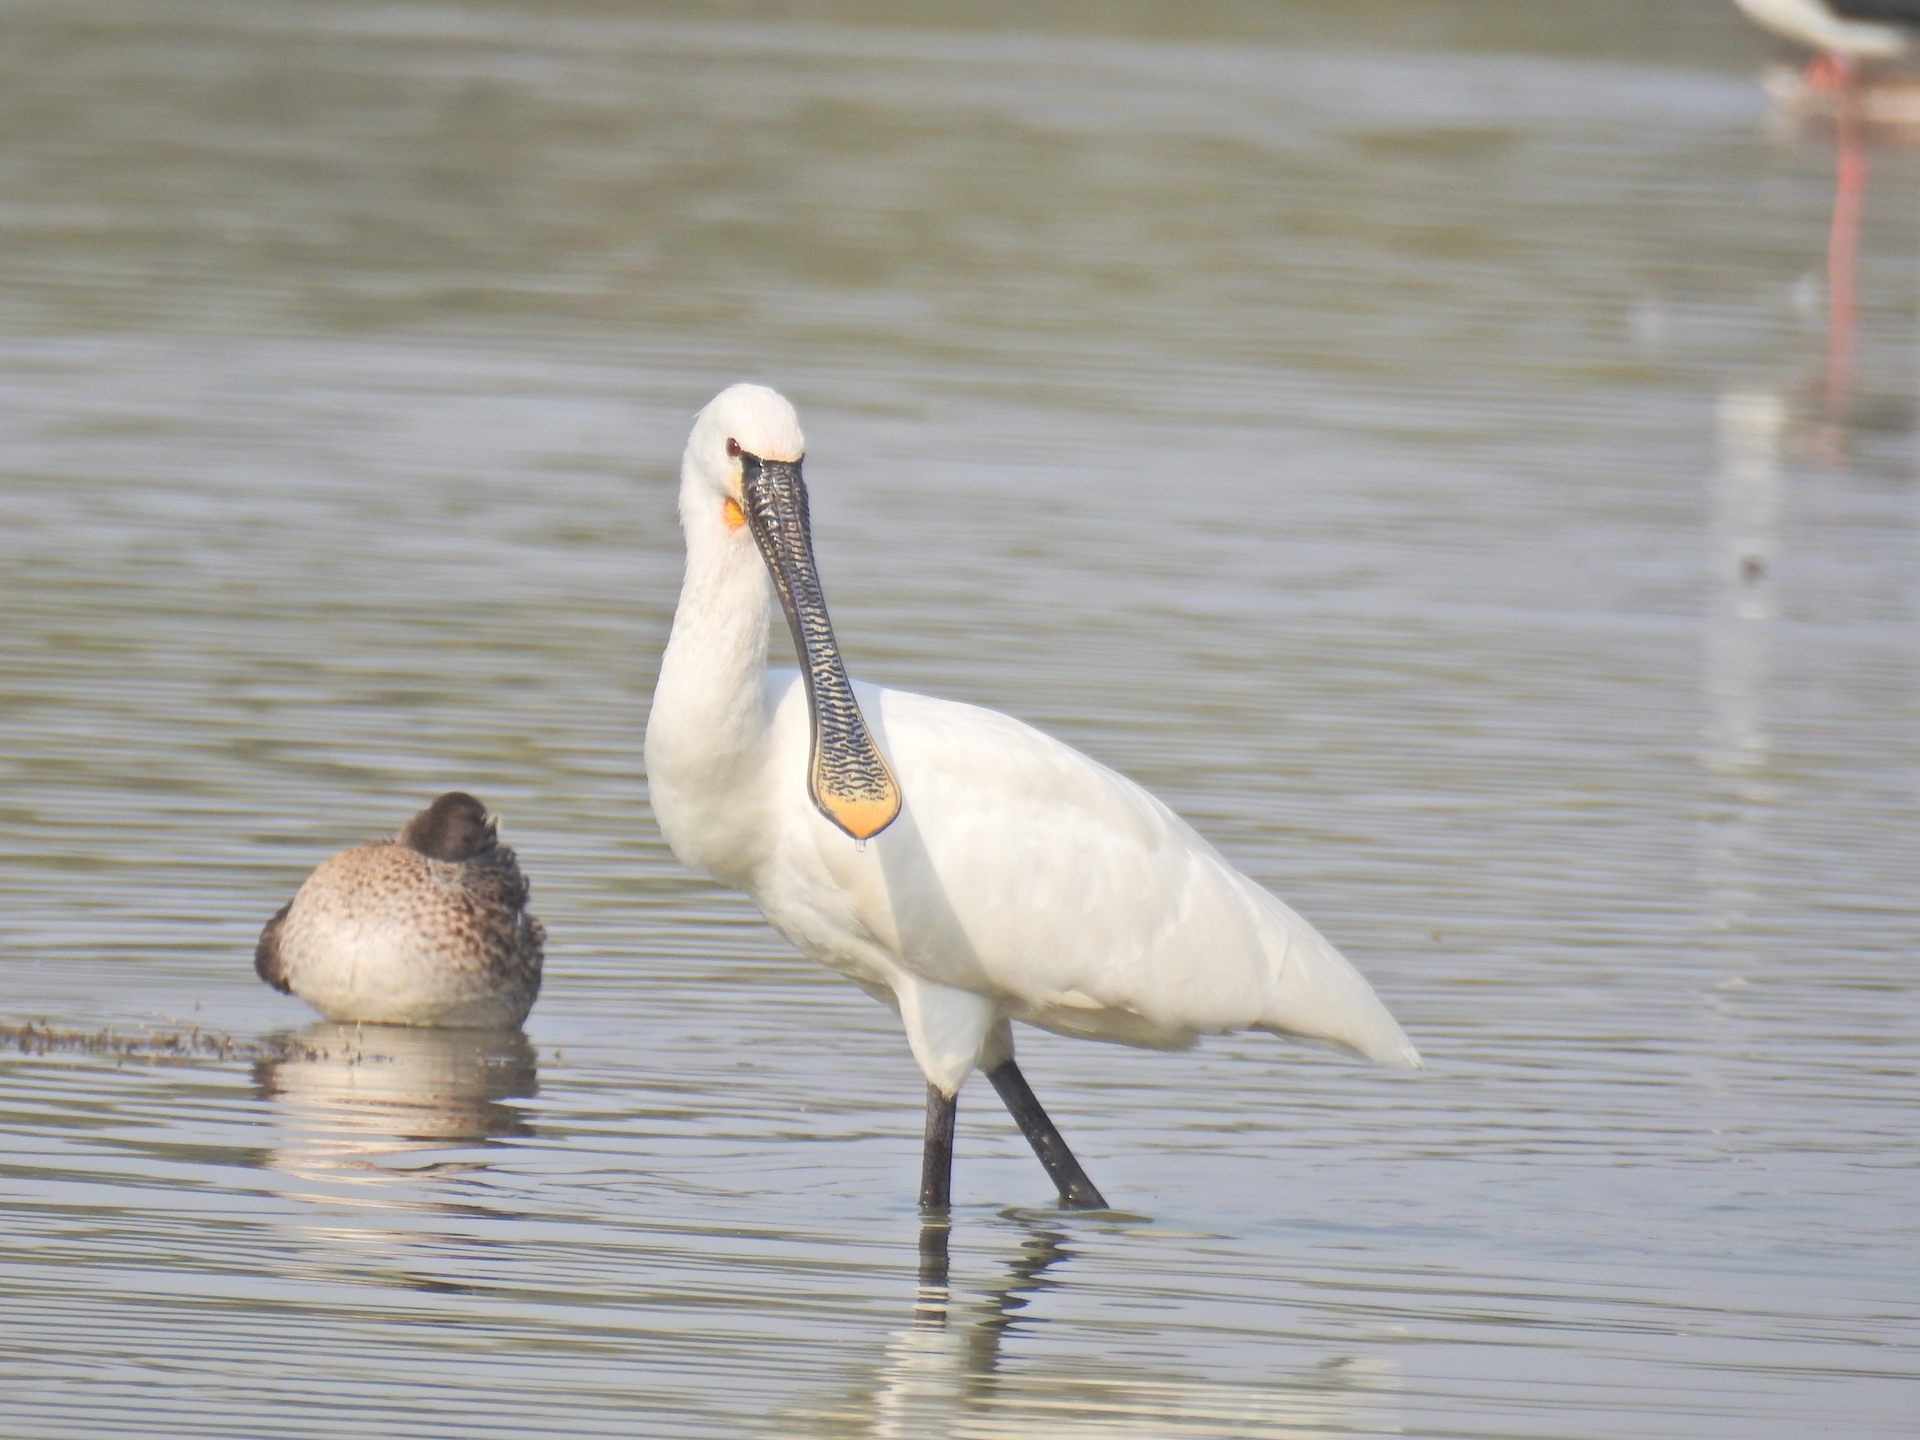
860,816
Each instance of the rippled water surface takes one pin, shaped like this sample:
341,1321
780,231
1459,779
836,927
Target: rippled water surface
1393,432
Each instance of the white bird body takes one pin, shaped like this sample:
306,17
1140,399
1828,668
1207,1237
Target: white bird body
1018,879
1827,27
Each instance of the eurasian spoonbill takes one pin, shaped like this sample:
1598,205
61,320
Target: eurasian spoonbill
429,928
958,865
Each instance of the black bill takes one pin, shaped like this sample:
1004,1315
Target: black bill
847,775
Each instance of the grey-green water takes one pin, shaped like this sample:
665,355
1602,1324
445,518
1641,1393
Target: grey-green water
1389,431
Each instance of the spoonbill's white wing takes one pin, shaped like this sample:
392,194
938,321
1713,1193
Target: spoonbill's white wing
1022,869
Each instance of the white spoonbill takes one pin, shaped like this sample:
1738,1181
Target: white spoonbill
957,864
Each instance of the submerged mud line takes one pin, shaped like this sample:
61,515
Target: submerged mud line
187,1043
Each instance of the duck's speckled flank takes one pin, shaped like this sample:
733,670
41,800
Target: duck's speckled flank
390,933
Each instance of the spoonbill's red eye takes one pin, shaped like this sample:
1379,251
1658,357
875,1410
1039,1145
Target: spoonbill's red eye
733,446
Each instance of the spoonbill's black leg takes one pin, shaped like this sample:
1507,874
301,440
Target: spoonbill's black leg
936,1155
1077,1192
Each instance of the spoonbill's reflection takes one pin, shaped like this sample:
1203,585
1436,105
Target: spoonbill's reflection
958,1370
350,1097
1043,1247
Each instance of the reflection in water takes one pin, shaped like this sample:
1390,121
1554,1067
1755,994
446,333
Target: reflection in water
1743,536
357,1093
945,1375
930,1305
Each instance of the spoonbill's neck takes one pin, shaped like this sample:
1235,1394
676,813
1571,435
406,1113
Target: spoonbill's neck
707,733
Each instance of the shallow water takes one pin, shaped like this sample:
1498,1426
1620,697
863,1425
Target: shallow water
1391,432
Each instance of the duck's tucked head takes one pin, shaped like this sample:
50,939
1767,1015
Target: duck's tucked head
741,424
456,827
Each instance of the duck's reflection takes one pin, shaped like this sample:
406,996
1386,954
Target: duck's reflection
360,1098
947,1374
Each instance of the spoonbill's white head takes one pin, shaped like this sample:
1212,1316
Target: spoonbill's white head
741,473
742,422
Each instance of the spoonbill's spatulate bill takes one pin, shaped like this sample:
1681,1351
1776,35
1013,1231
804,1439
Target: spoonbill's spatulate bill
957,864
